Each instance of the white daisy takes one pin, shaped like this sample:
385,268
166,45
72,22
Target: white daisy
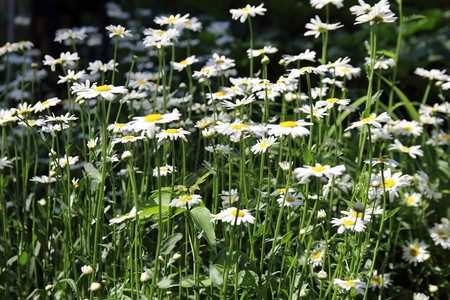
415,252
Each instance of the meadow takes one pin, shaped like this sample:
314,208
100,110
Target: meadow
201,162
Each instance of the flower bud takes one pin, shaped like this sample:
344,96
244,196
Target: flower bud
86,270
126,155
182,85
322,275
265,60
144,277
433,288
376,184
95,286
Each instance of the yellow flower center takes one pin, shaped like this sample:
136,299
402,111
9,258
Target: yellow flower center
45,102
160,32
205,124
290,199
350,283
382,160
185,198
164,169
172,130
318,169
245,9
389,183
153,117
220,61
128,137
235,212
238,126
102,88
220,94
260,50
119,125
445,137
365,120
376,280
290,124
282,190
406,148
317,254
118,31
357,215
183,62
332,100
410,200
348,223
141,81
414,251
345,69
170,20
409,128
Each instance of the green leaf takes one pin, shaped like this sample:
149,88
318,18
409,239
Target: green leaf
215,276
248,278
202,220
392,213
307,156
286,238
406,102
164,283
71,283
387,53
202,179
169,243
152,210
92,172
23,258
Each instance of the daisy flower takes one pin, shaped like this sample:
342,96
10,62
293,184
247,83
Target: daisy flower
234,130
131,215
319,4
330,102
243,13
163,171
296,73
71,76
98,66
414,199
173,134
179,66
160,38
263,144
426,187
220,63
316,256
413,151
172,20
40,106
107,92
235,217
66,160
432,74
239,102
318,171
379,13
391,184
385,161
218,149
119,31
317,27
307,55
381,63
126,139
317,113
361,9
205,72
229,198
372,120
67,59
380,280
290,199
6,163
293,128
415,252
186,201
440,233
348,72
408,128
349,223
257,52
148,123
347,285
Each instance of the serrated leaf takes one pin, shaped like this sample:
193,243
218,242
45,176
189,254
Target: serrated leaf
392,213
169,243
202,220
92,172
215,276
